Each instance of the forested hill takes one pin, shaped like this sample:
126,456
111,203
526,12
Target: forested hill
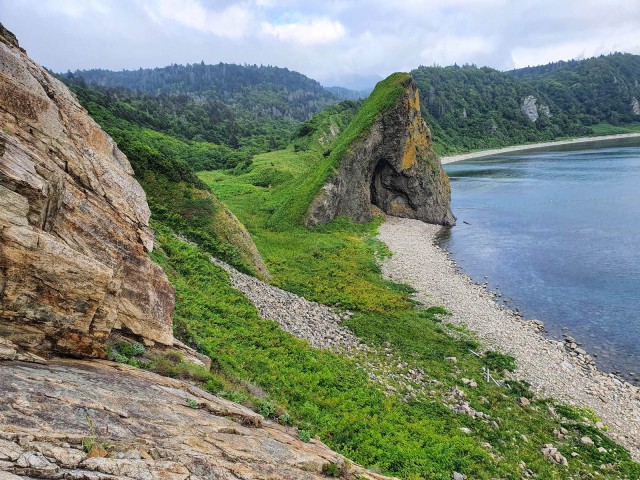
469,108
258,108
600,90
263,90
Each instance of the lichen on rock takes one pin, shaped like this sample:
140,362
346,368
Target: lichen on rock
391,167
74,224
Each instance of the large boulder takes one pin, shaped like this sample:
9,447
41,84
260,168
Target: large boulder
390,167
74,224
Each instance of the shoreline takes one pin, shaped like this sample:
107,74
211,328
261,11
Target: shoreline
533,146
553,368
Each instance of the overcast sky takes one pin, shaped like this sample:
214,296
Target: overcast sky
333,41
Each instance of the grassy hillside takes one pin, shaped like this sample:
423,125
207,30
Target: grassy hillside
412,437
163,166
396,426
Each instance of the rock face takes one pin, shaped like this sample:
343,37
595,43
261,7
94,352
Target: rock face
151,427
531,110
635,106
393,168
74,231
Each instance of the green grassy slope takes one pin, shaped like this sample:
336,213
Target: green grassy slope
325,394
336,264
310,163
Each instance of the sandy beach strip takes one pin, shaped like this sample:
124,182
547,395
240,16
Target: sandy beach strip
534,146
552,369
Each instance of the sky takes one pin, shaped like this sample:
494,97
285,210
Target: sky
337,42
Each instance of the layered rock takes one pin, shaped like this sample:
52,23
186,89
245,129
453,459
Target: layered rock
392,168
74,231
143,426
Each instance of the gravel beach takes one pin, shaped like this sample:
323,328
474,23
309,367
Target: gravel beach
533,146
553,368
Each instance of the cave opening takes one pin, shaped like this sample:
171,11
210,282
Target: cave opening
377,186
388,190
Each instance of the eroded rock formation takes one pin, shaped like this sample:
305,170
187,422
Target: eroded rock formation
393,169
74,231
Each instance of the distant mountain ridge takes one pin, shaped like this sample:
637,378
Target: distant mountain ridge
263,90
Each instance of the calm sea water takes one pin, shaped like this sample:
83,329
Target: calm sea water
557,232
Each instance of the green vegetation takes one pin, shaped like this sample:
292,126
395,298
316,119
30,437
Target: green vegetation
470,108
591,91
163,166
385,426
292,183
222,114
92,443
331,396
238,106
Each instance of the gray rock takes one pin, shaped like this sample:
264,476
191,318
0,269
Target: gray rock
529,108
586,441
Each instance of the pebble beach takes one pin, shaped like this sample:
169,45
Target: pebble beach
559,369
533,146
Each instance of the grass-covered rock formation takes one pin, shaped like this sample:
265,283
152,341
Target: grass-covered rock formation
384,159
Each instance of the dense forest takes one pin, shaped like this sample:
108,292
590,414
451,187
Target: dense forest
470,108
250,109
592,91
264,91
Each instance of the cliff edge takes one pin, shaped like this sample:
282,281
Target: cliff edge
74,224
389,163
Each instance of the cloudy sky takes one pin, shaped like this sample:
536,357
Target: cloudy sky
333,41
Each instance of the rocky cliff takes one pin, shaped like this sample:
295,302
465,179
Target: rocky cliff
390,166
74,272
74,231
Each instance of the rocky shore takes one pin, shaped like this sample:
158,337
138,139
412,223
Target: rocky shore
556,369
533,146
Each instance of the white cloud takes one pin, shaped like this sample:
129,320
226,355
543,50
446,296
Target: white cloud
327,40
318,31
75,8
449,49
232,22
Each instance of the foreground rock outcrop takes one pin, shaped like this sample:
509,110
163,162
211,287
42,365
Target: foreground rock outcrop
74,231
147,427
392,168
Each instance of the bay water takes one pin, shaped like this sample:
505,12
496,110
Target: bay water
556,232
